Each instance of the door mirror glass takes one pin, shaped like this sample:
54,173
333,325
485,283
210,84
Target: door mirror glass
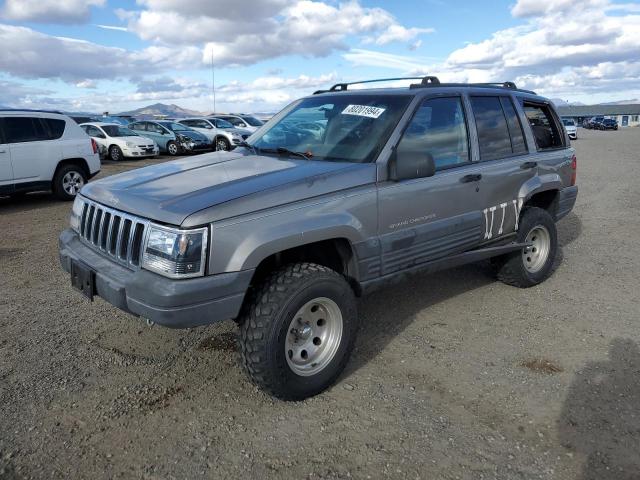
408,164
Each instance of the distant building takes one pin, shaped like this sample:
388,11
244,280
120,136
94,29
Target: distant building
626,115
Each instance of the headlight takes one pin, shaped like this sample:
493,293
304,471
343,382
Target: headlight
175,253
76,214
236,135
131,144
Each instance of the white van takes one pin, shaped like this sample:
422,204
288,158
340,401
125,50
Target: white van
42,150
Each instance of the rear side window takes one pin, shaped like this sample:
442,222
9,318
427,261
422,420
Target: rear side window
55,127
493,132
439,128
518,145
544,127
24,129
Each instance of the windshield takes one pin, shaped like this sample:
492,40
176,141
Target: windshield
221,123
253,121
342,127
568,122
236,122
118,131
175,127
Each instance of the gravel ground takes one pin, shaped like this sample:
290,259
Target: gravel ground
455,375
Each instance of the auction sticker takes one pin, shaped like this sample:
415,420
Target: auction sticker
363,111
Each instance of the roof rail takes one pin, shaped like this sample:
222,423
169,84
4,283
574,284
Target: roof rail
34,110
507,85
341,87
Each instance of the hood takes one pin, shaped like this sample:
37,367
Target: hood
193,135
194,188
136,139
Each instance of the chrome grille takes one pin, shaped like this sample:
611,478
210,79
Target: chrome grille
114,233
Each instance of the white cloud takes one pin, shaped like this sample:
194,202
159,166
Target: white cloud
86,84
112,27
36,55
245,32
49,11
563,48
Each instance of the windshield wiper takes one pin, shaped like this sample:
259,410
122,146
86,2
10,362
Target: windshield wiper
246,144
284,150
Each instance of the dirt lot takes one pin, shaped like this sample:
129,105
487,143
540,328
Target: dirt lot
455,375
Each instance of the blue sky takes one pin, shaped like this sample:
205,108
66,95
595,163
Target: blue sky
97,55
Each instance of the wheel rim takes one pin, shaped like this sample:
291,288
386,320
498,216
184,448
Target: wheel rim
221,145
115,154
72,182
536,254
313,336
173,148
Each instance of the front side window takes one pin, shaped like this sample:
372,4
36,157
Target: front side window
544,128
438,128
236,122
118,131
340,127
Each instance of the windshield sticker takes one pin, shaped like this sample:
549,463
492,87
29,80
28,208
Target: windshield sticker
363,111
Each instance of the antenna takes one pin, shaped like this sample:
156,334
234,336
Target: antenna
213,81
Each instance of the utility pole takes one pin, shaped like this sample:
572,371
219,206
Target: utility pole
213,82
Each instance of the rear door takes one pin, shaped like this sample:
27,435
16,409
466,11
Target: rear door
425,219
33,154
505,162
6,170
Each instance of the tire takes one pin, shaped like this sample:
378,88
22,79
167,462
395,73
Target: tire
172,148
222,144
531,266
302,307
115,153
68,181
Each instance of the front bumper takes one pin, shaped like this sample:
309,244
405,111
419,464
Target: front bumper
172,303
139,152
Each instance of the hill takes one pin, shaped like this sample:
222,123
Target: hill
161,109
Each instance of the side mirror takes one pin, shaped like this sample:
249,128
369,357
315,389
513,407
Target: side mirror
408,164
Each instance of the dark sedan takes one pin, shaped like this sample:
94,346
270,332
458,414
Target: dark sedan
608,124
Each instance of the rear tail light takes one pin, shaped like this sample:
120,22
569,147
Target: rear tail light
94,145
574,168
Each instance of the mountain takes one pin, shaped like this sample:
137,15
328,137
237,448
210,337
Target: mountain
558,102
161,109
633,101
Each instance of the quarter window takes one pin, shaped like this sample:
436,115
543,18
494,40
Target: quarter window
544,128
55,126
438,128
518,145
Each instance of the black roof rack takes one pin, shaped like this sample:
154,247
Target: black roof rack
428,81
341,87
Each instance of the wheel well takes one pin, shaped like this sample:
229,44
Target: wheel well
546,200
335,254
218,137
80,162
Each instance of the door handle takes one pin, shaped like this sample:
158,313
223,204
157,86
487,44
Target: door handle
473,177
527,165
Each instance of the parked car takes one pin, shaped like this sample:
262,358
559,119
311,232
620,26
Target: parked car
283,233
594,122
42,150
608,124
571,128
172,137
222,134
241,120
120,142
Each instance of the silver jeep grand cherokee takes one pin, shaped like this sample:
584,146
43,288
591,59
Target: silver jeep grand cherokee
340,193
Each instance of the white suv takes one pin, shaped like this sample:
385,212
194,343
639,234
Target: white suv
222,134
42,150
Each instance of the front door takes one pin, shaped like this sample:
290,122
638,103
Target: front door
429,218
31,150
625,120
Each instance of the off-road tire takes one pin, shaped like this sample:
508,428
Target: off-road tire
115,153
511,268
265,321
57,185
